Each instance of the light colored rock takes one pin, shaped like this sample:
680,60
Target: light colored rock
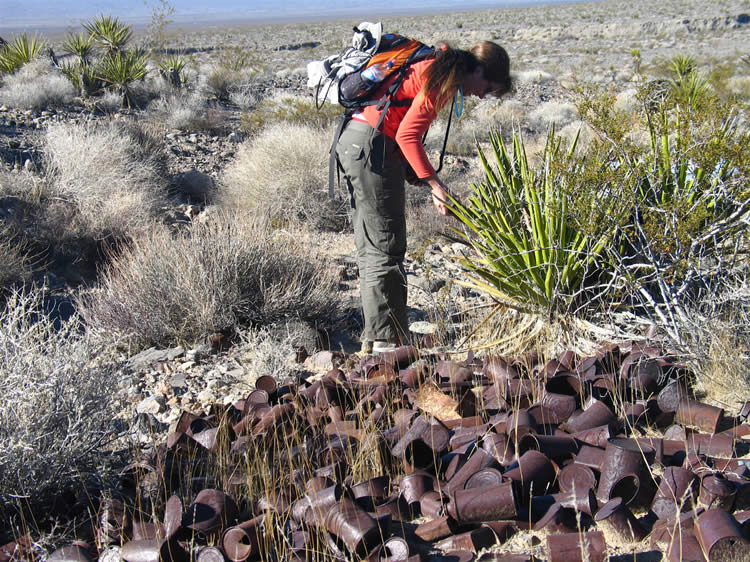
320,361
150,405
422,328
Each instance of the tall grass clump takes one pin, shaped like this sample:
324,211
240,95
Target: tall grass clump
112,174
283,174
216,276
58,404
37,85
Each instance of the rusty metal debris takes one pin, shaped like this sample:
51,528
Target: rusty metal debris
479,448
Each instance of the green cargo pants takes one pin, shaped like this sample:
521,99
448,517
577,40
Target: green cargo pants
374,170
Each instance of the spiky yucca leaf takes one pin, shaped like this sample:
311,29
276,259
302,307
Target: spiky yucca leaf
171,68
109,32
527,253
120,70
83,76
18,52
79,45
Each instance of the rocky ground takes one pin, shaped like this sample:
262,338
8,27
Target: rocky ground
552,48
564,43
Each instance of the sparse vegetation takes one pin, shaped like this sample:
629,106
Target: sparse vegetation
59,406
36,86
283,174
111,174
213,277
610,200
22,50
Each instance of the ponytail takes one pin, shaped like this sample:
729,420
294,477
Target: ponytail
446,73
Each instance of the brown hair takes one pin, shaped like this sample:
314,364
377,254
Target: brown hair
451,66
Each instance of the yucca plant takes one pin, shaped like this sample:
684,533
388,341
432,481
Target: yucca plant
119,70
18,52
528,254
111,34
79,45
171,68
688,86
83,76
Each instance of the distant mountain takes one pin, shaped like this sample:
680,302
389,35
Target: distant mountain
31,14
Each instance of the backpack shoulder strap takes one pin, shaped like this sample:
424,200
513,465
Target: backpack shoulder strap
333,160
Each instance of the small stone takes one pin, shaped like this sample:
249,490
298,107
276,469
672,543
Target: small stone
206,396
186,366
237,373
175,352
111,554
422,328
320,361
172,402
148,357
178,381
199,352
150,405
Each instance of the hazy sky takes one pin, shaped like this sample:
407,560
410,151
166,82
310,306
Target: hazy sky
31,14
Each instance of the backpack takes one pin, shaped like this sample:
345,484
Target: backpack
338,78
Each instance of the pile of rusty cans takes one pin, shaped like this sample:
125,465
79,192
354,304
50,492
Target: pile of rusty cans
586,453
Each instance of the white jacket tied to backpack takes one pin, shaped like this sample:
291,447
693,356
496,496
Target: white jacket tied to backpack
325,75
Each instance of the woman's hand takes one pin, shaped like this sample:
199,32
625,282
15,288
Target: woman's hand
440,195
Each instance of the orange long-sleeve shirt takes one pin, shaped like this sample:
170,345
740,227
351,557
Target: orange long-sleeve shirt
408,123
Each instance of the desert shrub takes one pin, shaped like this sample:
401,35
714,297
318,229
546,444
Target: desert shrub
109,33
188,111
532,76
59,403
216,276
172,70
36,85
283,174
111,173
529,254
220,82
552,113
291,108
120,70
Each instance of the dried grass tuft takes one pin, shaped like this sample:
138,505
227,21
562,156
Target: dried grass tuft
113,174
283,174
217,276
58,403
37,85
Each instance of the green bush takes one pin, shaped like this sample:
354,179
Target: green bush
217,276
